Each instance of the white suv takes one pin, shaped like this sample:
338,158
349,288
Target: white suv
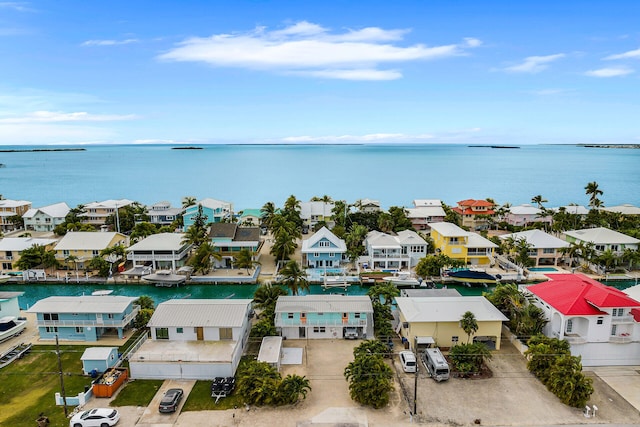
408,361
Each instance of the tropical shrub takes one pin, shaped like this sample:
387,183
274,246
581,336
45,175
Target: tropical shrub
370,378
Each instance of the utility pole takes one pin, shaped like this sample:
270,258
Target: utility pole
415,388
64,394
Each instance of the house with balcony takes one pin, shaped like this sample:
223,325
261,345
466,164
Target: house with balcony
475,213
215,210
160,251
228,239
96,213
250,217
195,339
45,218
314,212
77,248
393,252
602,239
162,213
323,249
436,320
367,205
425,211
544,248
9,208
468,247
12,247
84,318
324,317
526,214
601,323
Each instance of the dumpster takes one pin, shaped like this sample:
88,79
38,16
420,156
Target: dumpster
107,384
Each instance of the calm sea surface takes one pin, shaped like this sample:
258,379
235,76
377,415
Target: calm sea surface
249,176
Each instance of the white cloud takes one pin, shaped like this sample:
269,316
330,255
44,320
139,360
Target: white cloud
609,72
547,92
374,137
534,64
17,6
309,49
55,117
108,42
625,55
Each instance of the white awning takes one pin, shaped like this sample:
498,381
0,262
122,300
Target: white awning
424,340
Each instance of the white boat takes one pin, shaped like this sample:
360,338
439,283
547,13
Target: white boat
4,278
402,278
10,326
102,292
165,278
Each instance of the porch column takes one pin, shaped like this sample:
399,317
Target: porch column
120,333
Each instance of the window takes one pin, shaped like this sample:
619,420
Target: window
319,329
569,326
618,312
316,254
79,330
332,254
111,316
162,333
614,329
303,315
600,320
548,250
50,316
226,333
179,330
454,339
324,244
289,315
51,329
66,253
356,315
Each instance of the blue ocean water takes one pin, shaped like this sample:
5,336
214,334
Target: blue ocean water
250,175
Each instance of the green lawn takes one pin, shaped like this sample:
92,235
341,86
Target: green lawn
137,393
200,399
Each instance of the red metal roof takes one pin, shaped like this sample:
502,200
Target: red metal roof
577,294
473,202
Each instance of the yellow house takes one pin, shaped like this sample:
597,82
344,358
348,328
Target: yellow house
11,248
78,248
437,320
456,243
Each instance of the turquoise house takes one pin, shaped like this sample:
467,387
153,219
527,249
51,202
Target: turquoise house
323,250
84,318
324,317
214,210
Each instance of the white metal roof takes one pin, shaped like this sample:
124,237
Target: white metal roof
448,229
602,235
626,209
324,304
108,204
410,237
21,243
538,239
474,240
338,244
159,242
82,304
378,239
270,349
86,240
425,212
97,353
307,209
223,313
573,209
427,203
525,209
211,204
58,210
633,292
8,203
447,309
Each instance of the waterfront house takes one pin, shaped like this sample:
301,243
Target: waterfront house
456,243
475,213
96,213
162,213
77,248
425,211
214,210
314,212
84,318
11,248
367,205
197,339
601,323
526,214
10,208
626,209
323,249
573,210
544,248
250,217
45,218
324,316
393,252
98,359
602,239
436,320
228,239
161,251
9,304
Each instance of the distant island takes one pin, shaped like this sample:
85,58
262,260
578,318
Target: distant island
610,145
493,146
186,148
33,150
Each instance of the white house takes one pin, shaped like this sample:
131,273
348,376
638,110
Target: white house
45,218
386,251
525,214
626,209
368,205
603,239
197,339
601,323
163,250
544,248
314,212
424,212
96,213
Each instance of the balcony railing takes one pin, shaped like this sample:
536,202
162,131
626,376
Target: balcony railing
132,256
620,339
622,319
320,322
91,322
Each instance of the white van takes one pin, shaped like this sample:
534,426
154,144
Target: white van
408,361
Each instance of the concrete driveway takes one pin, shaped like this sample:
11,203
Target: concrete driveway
151,417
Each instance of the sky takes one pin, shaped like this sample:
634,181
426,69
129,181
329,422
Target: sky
259,71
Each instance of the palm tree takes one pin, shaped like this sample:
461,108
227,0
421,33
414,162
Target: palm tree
194,236
607,259
539,200
593,192
385,222
202,260
267,212
631,256
244,259
469,324
385,291
292,387
266,296
284,245
188,201
294,277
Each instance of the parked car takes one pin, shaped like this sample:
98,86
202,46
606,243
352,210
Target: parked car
98,417
171,400
408,361
350,333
